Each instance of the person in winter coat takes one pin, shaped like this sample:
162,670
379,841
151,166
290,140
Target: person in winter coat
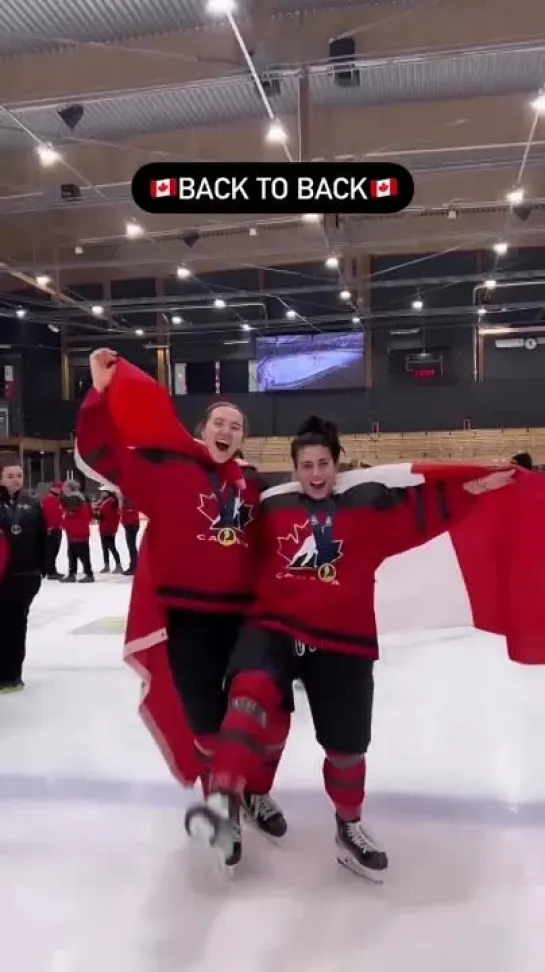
107,514
51,506
523,460
130,520
76,523
23,535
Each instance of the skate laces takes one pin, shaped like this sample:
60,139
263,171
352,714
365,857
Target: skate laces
356,834
264,806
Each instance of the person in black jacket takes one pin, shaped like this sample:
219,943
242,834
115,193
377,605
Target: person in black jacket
23,526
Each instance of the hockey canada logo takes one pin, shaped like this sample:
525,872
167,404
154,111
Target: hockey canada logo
304,556
227,521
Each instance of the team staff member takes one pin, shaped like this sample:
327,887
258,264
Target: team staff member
24,533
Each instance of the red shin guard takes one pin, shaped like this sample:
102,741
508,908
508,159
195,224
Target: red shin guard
262,781
241,747
344,778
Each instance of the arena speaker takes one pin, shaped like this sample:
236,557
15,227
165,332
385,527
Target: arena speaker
342,56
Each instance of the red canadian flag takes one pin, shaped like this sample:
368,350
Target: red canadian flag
161,188
383,187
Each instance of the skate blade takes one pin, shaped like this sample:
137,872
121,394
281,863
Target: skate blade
208,858
374,877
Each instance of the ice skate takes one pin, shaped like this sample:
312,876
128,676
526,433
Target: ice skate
215,826
262,811
357,851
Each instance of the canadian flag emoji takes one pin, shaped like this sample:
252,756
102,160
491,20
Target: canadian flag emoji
161,188
383,187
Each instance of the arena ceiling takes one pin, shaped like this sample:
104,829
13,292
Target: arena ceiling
446,87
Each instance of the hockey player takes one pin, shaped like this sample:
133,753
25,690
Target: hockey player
323,539
196,569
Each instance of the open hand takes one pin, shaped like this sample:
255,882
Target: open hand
102,363
487,484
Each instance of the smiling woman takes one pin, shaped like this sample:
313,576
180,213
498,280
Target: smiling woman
223,429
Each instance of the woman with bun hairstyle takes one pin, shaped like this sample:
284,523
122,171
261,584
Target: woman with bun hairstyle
194,582
323,539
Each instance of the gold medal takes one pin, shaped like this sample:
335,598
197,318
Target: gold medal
227,537
327,573
16,529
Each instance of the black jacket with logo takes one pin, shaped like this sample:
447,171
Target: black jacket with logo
23,525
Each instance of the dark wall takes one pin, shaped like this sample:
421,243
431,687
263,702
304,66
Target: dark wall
491,404
516,363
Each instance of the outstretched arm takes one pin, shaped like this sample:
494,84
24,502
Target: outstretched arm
421,513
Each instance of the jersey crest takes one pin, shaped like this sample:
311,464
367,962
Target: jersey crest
227,516
304,556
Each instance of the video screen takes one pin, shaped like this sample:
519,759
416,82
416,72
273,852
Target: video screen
310,361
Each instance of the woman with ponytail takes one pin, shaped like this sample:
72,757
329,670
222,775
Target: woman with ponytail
194,581
323,538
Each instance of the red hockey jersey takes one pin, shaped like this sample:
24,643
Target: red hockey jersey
76,518
51,506
107,515
202,516
129,515
318,561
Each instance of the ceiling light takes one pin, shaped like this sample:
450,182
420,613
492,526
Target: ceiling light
417,304
501,248
246,327
332,263
43,280
491,284
177,320
219,303
47,155
133,230
291,314
276,134
20,313
139,332
356,320
220,8
539,104
182,273
481,311
311,218
97,310
515,197
252,231
345,295
78,250
55,329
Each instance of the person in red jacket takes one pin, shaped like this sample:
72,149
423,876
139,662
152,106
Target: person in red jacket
76,522
107,514
199,546
130,520
323,539
52,510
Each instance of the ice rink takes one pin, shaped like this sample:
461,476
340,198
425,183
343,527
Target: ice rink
93,870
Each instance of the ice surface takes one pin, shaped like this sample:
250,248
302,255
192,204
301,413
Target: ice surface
93,874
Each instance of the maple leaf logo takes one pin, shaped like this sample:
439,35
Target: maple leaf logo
233,513
289,546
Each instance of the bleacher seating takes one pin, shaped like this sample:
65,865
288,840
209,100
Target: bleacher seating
486,445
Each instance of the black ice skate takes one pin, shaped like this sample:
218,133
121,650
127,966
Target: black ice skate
357,852
215,824
262,811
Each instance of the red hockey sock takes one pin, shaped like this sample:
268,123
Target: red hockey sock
205,747
262,781
344,778
241,747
